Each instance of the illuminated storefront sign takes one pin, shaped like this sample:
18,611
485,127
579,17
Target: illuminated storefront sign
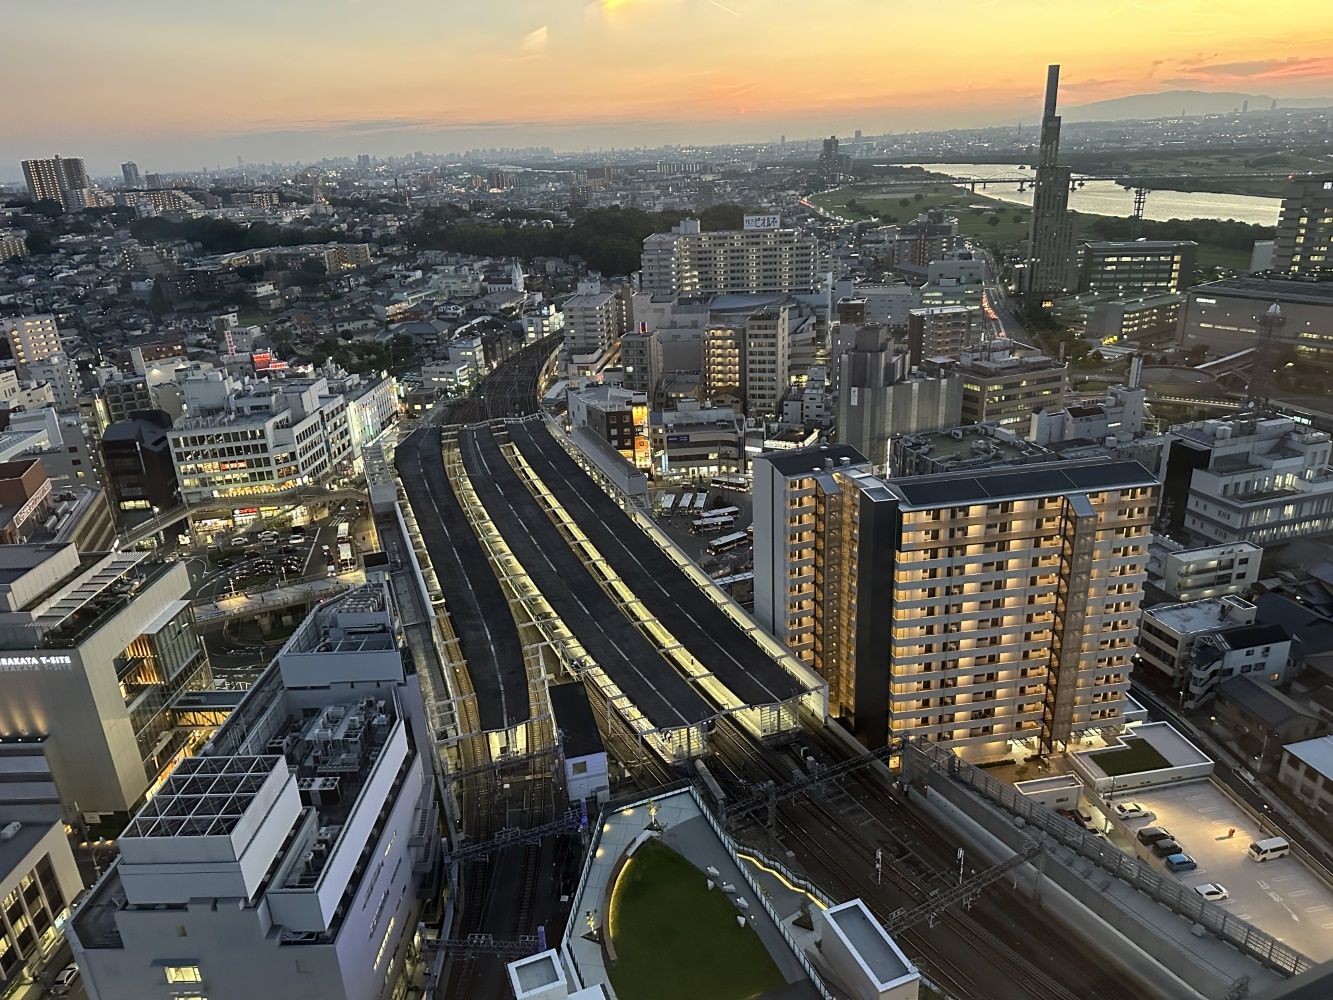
29,662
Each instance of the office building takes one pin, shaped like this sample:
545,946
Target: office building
60,179
1136,266
1121,414
1223,316
614,415
136,454
98,648
641,361
291,856
940,332
1005,388
880,398
1263,480
595,320
39,879
130,172
696,441
955,607
263,438
956,279
1307,769
1109,318
1304,243
885,304
32,338
1050,267
961,448
120,396
688,261
1186,573
1197,645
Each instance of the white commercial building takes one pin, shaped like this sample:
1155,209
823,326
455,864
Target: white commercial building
1199,644
687,261
263,437
1191,574
1263,480
289,858
97,649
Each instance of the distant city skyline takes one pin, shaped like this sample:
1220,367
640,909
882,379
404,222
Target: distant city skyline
178,87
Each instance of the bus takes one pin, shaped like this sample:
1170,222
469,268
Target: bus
731,512
668,504
344,531
686,501
737,484
700,501
708,525
727,542
345,558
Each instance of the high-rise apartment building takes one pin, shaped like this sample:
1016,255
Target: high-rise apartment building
98,648
1141,267
291,856
687,261
57,179
595,319
130,172
940,332
970,609
746,357
1050,270
32,338
1304,243
767,351
641,360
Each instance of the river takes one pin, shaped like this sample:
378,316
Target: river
1109,198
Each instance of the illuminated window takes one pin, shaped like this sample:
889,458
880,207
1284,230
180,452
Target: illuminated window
183,974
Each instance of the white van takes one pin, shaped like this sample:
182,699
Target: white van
1267,850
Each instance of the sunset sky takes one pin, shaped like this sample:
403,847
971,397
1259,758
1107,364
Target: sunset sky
176,85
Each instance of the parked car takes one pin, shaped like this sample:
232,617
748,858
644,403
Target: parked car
1212,891
1180,863
66,978
1267,850
1150,835
1084,819
1166,848
239,540
1130,810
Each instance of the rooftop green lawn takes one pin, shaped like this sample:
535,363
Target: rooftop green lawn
1134,756
674,938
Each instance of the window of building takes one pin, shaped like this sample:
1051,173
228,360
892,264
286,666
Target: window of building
580,767
183,974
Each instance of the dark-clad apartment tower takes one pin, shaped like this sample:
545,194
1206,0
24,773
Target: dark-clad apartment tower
1304,245
1051,241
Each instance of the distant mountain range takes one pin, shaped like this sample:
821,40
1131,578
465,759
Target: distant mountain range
1171,103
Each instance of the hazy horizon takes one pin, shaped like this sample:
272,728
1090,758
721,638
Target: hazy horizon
175,88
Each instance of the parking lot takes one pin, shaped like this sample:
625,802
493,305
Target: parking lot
1282,896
